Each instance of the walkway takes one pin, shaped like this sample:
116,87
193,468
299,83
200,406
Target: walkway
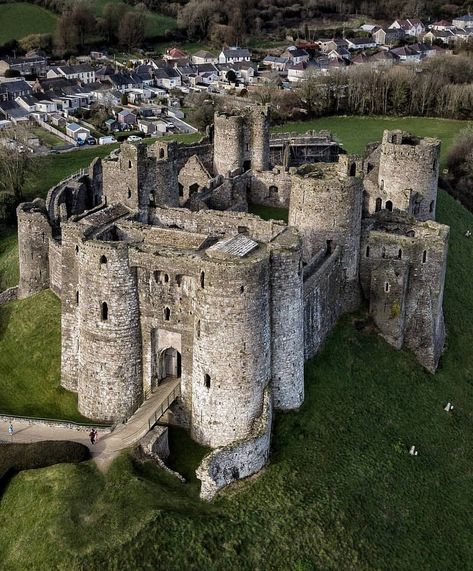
110,445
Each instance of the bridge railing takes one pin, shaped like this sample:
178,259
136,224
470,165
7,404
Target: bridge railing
163,407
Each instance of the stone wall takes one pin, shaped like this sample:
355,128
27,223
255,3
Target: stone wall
239,459
55,266
271,188
7,295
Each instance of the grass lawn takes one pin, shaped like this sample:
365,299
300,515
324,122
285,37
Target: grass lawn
46,138
340,492
18,20
9,270
30,360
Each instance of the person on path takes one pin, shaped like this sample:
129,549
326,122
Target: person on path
92,436
95,436
10,430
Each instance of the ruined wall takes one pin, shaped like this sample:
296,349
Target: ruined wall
232,343
271,188
110,375
55,266
259,144
287,334
240,459
228,143
192,176
163,174
34,233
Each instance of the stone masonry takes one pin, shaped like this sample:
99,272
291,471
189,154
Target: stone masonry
162,272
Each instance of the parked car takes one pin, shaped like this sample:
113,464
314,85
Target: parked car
91,141
107,140
81,142
134,139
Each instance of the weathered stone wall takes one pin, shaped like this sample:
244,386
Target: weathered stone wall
163,174
228,143
34,233
259,129
55,266
287,333
271,188
7,295
192,176
110,375
232,344
239,459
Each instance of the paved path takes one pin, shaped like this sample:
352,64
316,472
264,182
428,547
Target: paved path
110,445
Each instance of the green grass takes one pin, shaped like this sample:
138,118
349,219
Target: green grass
46,138
18,20
269,212
356,132
340,492
9,270
30,360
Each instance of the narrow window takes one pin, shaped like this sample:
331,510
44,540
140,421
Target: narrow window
353,169
383,252
379,203
424,256
129,193
161,153
386,287
202,280
399,254
242,289
367,251
130,165
432,206
103,260
273,190
389,206
43,237
328,250
77,298
166,278
381,185
207,381
77,250
197,329
179,280
167,314
104,311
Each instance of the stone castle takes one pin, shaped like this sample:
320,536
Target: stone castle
162,272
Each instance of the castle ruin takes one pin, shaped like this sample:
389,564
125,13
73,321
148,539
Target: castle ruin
162,272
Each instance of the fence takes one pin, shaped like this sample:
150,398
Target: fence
54,131
158,413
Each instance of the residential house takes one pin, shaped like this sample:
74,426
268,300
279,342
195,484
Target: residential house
168,78
145,73
360,43
10,90
126,117
112,125
173,54
296,55
299,72
407,54
28,102
83,72
411,26
203,56
388,36
276,63
442,25
152,128
335,44
368,28
77,131
444,36
34,65
57,120
463,22
13,112
234,55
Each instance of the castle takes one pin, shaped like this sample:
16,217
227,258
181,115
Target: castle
162,272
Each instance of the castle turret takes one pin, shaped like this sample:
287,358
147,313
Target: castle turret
34,232
110,370
260,139
228,143
231,358
164,185
408,175
287,332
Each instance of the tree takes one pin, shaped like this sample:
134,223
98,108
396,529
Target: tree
131,31
83,20
460,168
16,162
124,99
197,16
66,39
231,77
112,15
36,41
12,73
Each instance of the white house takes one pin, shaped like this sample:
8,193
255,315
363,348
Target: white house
153,128
234,54
77,132
82,72
463,22
296,55
203,56
276,63
167,78
411,26
360,43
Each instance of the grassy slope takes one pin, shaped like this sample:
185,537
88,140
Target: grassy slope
18,20
30,360
341,492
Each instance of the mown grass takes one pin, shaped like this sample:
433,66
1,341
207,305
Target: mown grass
19,19
340,492
30,360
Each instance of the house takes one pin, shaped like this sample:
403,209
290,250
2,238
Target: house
28,102
126,117
276,63
336,43
444,36
442,25
168,78
203,56
368,28
145,73
463,22
234,54
77,132
174,54
296,55
411,26
112,125
361,43
57,120
407,54
10,90
83,72
388,36
300,71
152,128
34,65
13,112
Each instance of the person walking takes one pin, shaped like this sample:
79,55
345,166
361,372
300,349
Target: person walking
92,436
10,431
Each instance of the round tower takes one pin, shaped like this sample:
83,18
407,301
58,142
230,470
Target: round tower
110,378
408,175
228,143
287,324
34,232
231,357
260,139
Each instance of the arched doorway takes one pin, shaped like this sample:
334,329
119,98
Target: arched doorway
170,363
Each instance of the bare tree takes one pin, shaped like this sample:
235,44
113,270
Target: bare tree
131,31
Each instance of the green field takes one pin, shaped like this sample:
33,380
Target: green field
340,492
18,20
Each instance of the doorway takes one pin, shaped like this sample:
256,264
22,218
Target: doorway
170,365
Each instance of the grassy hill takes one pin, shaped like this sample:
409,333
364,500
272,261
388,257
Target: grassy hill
18,20
340,492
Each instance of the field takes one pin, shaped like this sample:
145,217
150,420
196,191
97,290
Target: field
18,20
340,492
